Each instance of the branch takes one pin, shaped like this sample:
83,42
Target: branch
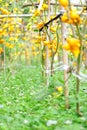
46,24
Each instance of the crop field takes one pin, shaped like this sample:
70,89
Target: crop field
43,65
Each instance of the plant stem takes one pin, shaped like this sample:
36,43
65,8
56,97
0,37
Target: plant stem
54,53
78,86
52,64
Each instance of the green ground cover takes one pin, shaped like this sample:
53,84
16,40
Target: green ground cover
26,103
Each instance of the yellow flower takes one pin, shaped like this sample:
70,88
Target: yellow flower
40,25
38,37
4,11
8,45
43,38
73,45
45,6
75,17
46,43
11,46
76,52
24,38
73,14
11,28
64,17
15,9
11,39
33,48
73,42
2,41
34,53
85,35
59,89
52,29
37,13
1,50
64,3
21,45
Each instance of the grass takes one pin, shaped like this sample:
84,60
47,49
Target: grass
26,103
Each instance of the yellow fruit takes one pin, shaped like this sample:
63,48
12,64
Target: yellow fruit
64,18
73,42
72,45
64,3
74,15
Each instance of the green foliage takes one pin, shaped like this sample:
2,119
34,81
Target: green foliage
26,103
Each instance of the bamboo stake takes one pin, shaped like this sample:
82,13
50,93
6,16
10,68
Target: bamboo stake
40,5
78,88
86,48
79,60
15,15
47,51
26,15
4,62
51,3
65,61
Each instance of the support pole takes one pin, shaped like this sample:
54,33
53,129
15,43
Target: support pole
65,62
47,51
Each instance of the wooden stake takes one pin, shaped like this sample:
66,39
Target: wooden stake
65,61
47,51
4,63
